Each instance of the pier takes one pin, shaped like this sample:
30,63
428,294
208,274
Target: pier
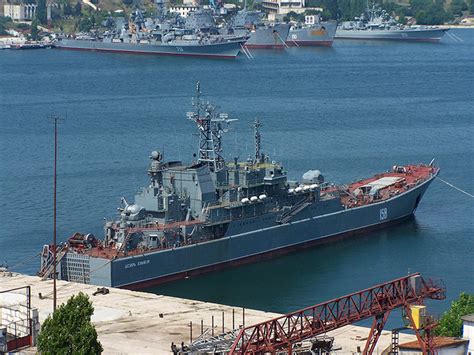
145,323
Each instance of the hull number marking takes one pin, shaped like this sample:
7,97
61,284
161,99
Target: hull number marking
383,214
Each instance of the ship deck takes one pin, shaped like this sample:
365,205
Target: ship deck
386,185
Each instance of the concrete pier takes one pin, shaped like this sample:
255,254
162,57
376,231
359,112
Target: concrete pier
144,323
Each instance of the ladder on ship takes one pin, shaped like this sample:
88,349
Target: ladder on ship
293,211
46,272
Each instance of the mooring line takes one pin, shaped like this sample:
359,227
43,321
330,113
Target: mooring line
454,187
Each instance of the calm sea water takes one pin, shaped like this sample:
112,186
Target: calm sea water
350,111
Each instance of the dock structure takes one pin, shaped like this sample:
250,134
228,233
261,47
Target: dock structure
145,323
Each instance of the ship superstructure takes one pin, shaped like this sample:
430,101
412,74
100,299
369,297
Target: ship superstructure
213,213
156,36
376,24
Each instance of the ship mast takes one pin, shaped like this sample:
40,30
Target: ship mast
210,125
258,139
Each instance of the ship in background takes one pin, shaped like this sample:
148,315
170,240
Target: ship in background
215,213
377,24
261,34
156,36
313,32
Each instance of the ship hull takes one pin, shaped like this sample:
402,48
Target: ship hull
248,241
215,50
272,37
317,35
414,35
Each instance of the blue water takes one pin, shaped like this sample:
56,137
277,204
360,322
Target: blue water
350,111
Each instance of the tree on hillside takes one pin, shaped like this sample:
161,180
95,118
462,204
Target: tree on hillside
69,329
471,7
457,7
78,8
34,32
450,325
41,12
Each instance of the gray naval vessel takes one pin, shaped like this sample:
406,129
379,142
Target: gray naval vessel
376,24
261,35
313,32
142,37
212,214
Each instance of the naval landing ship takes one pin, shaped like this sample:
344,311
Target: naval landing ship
213,214
141,36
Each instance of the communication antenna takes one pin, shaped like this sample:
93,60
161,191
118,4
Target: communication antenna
258,139
211,126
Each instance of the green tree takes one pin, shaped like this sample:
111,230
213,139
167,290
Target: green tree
78,8
41,12
450,325
69,330
34,32
457,7
471,7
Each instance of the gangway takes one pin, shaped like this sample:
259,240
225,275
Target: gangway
281,333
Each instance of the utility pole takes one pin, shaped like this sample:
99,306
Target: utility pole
56,119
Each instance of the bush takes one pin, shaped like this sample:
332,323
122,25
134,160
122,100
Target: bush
69,329
450,325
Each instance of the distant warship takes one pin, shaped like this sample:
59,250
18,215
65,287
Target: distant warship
377,24
312,32
261,35
212,213
139,36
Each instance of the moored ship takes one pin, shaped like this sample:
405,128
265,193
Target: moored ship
261,35
377,24
312,33
212,214
160,39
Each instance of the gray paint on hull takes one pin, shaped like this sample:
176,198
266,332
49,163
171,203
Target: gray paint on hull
130,270
406,35
225,49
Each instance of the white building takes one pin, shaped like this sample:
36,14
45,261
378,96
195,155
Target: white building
444,346
20,12
282,7
468,331
183,10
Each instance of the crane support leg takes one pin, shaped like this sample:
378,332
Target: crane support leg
375,331
425,340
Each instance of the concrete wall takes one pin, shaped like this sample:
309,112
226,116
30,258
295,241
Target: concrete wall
13,314
468,333
454,350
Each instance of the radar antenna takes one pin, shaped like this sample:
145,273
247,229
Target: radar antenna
258,140
211,126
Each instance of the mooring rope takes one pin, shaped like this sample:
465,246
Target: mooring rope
23,261
454,187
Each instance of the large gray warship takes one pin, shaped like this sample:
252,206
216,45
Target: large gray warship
212,214
261,35
313,32
161,38
377,24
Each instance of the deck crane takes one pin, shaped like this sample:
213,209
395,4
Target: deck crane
281,333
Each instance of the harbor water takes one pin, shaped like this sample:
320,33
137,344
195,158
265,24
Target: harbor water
350,111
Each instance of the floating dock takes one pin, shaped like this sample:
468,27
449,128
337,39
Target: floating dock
145,323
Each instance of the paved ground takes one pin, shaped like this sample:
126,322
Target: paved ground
141,323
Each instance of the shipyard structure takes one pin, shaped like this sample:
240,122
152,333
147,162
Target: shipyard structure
213,213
